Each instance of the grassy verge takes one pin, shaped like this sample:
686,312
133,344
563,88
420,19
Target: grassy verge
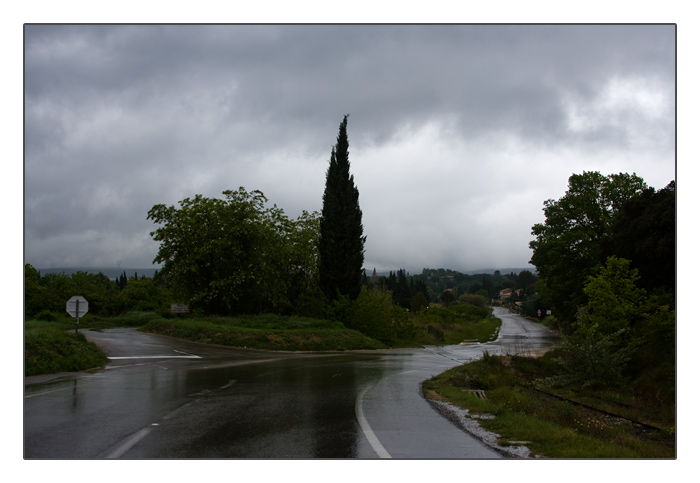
561,423
50,347
269,332
439,326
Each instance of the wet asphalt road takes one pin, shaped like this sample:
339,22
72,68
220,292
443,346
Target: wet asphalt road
165,398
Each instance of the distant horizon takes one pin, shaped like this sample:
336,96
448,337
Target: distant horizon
153,268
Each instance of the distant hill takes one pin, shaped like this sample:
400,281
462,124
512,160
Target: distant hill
111,272
502,270
489,271
114,272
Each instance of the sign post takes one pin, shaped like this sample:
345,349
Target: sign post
77,306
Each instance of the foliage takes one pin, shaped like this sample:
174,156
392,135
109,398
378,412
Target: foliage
268,332
474,299
433,282
567,246
447,297
644,232
606,260
440,325
145,295
619,326
49,349
341,243
591,359
235,255
45,296
471,311
374,314
614,300
418,302
525,280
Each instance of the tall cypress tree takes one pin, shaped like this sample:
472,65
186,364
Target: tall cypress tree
341,243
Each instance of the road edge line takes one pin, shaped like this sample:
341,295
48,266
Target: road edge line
367,429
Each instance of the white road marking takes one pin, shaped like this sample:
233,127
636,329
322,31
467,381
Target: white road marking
367,429
153,357
46,392
128,443
228,384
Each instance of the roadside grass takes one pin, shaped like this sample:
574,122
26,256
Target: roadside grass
522,408
440,326
295,333
268,332
51,347
91,321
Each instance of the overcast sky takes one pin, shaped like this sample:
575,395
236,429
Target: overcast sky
458,134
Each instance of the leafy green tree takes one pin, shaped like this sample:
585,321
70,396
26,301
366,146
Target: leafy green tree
97,288
341,243
567,245
34,291
591,360
402,292
144,295
525,279
615,303
621,334
644,232
59,288
374,314
234,255
447,297
644,325
419,302
121,281
421,287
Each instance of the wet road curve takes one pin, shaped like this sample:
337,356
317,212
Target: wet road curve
165,398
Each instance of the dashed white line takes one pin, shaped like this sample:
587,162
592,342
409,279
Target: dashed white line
127,444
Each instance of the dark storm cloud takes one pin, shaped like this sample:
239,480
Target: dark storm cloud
119,118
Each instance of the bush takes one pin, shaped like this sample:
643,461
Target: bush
472,312
48,316
474,299
49,349
590,360
374,314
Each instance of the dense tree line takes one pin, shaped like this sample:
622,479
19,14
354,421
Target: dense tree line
45,296
599,217
605,256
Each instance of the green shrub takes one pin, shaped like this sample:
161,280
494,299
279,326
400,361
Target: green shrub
49,349
48,316
474,299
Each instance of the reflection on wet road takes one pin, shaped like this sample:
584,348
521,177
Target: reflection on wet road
164,398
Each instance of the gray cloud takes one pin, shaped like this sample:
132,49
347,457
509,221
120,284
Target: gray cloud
457,133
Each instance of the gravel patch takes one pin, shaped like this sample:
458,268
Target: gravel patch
470,424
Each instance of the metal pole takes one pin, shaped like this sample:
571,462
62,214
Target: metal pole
77,316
